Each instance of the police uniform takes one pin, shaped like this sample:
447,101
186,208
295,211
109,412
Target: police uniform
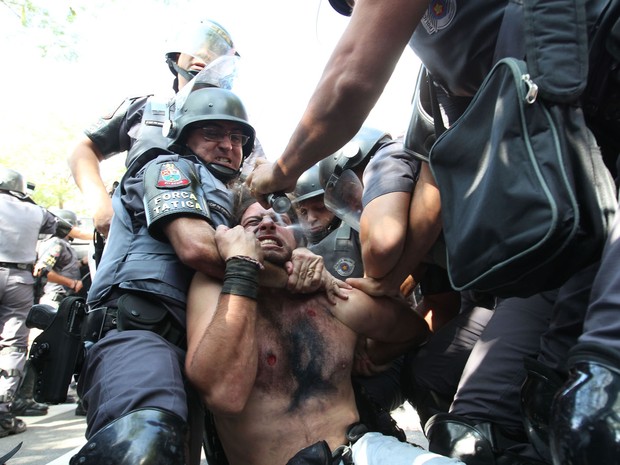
133,369
17,256
542,327
57,254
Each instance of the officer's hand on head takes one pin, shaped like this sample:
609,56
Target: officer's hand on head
263,181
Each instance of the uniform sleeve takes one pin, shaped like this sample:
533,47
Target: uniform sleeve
111,132
390,170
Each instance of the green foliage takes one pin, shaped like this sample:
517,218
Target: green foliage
53,25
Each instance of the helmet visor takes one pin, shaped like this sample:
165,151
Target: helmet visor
207,44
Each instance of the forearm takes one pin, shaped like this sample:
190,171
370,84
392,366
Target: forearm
193,240
84,165
54,277
223,366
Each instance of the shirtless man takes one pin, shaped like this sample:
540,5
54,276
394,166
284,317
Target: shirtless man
275,368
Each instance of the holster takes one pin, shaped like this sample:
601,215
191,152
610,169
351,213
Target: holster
137,312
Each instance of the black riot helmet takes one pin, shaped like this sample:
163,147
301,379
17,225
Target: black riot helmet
207,42
67,215
13,182
203,105
356,153
344,7
308,185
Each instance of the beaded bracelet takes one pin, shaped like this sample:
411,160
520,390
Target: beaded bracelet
245,258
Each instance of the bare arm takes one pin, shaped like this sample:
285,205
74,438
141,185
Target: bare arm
222,356
84,165
74,284
383,319
424,226
353,79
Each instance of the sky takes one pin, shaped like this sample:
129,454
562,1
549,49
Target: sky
284,45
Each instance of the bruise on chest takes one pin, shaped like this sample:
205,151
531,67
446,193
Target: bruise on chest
303,350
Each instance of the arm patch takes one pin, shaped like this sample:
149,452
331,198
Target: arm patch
172,189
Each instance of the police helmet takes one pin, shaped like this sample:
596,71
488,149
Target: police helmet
208,41
208,104
67,215
13,182
308,185
357,152
342,6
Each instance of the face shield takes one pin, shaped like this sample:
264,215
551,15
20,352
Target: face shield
208,43
205,44
343,197
221,73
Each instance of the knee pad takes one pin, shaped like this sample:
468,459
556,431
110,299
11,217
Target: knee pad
585,415
457,437
537,394
144,436
474,443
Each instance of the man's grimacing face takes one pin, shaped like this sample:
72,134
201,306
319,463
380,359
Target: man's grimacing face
273,230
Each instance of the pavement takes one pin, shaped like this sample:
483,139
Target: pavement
54,438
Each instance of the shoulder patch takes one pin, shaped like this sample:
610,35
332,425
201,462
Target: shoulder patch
344,266
170,176
439,15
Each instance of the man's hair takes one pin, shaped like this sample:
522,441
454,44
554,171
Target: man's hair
243,200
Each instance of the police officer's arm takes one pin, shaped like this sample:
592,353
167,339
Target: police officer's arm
354,78
107,137
73,284
388,269
84,165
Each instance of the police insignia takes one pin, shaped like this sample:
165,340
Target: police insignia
344,266
171,176
439,15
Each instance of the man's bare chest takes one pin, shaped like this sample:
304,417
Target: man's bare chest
304,351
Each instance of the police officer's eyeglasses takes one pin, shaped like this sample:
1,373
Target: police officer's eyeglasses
218,135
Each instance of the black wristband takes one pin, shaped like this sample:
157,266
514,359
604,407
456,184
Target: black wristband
240,278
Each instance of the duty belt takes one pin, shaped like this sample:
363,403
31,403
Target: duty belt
18,266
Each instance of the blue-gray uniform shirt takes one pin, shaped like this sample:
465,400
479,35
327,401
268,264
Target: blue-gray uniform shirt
133,259
20,225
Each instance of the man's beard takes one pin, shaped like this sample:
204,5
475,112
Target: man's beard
278,257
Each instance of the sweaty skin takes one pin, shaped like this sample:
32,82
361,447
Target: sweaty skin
285,381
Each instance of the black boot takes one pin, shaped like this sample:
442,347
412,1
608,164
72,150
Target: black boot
585,421
24,403
10,425
144,436
474,443
537,392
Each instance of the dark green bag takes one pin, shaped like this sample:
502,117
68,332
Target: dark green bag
526,198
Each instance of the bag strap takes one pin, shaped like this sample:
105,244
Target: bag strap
556,47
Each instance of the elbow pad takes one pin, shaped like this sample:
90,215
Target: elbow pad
171,190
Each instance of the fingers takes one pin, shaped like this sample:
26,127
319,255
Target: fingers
334,288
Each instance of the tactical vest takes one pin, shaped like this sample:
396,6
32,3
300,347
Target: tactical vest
341,252
134,260
147,135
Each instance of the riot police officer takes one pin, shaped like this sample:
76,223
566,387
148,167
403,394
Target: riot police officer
60,262
135,126
165,213
17,257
